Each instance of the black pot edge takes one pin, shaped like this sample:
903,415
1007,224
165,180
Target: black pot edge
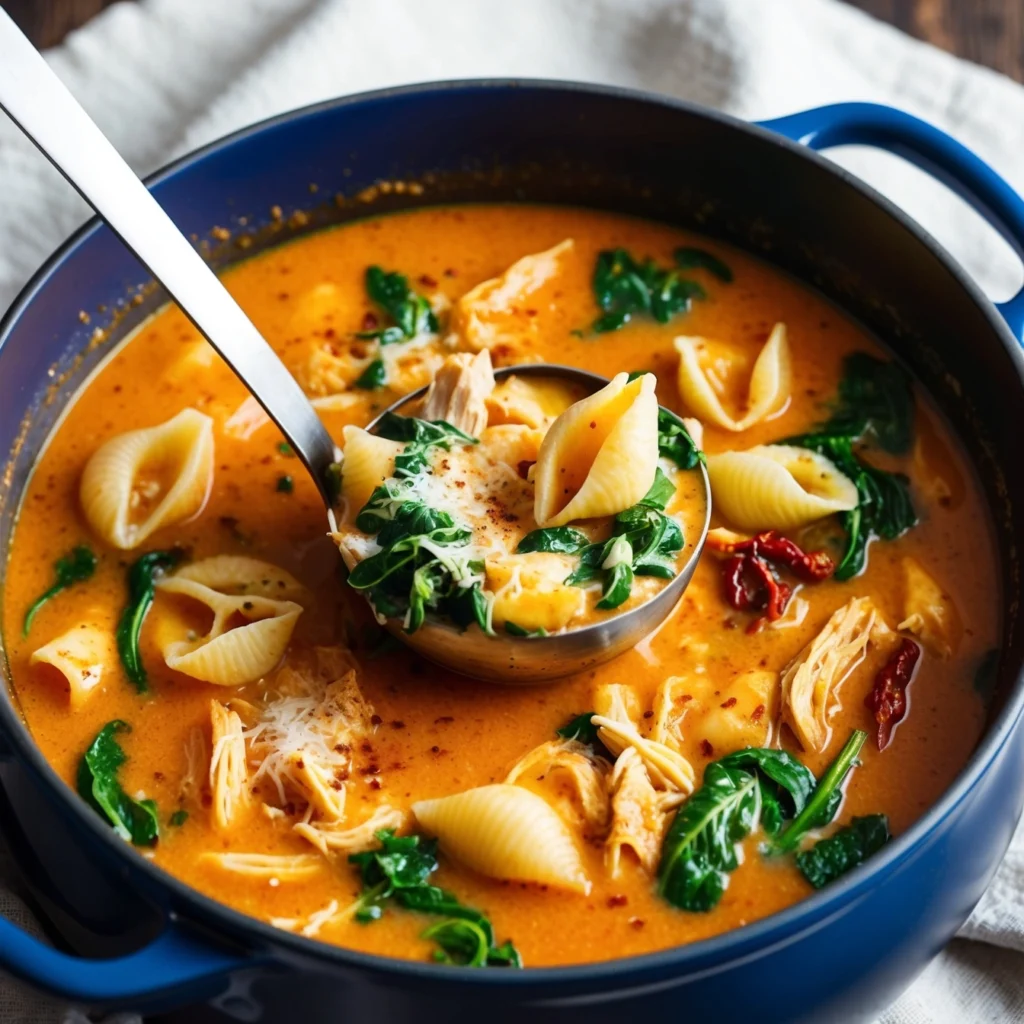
777,929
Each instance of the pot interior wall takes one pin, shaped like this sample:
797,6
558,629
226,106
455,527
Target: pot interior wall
541,144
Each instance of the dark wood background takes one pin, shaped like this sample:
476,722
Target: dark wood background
990,32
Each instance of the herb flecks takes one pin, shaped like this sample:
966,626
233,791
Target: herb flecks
398,873
133,820
76,566
142,577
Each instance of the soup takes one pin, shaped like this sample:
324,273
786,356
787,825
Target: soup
204,673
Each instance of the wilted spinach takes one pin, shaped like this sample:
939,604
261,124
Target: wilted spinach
76,566
142,577
563,540
844,850
674,441
133,820
419,436
410,312
689,258
373,377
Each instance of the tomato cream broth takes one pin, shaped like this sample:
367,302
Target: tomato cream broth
435,733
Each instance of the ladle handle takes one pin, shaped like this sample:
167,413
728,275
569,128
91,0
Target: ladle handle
39,103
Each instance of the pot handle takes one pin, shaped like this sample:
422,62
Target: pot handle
927,147
175,961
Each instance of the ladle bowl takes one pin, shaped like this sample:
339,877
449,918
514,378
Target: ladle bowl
506,659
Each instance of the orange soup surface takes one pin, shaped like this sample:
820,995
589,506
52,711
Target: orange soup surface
405,731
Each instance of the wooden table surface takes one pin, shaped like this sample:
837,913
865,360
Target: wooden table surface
990,32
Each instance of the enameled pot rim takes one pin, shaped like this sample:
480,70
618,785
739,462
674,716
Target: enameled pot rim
703,956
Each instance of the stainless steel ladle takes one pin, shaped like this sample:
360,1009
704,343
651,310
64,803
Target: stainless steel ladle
39,103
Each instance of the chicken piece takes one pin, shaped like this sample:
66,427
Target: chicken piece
332,837
458,394
529,591
532,402
928,611
723,717
493,313
640,813
585,771
229,774
811,681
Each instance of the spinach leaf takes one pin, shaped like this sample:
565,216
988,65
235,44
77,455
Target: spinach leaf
689,258
875,398
660,493
142,577
786,783
884,508
844,850
468,605
411,312
563,540
580,728
76,566
133,820
625,287
399,870
824,802
373,377
699,850
420,436
285,484
674,441
178,818
617,587
515,630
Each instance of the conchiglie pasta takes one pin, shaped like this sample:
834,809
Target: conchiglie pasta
777,487
368,461
144,479
600,455
505,831
233,589
82,656
767,391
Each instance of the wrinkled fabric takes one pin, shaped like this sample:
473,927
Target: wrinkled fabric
164,76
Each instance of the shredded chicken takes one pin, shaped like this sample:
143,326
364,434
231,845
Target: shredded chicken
587,773
293,867
459,392
311,926
928,611
229,775
494,312
670,707
333,837
195,779
812,679
640,813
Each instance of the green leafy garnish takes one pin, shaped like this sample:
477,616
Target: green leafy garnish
875,399
689,258
410,312
76,566
674,441
824,802
285,484
515,630
142,577
332,482
178,818
884,508
373,377
133,820
398,873
580,728
844,850
740,791
286,449
420,437
563,540
660,493
625,287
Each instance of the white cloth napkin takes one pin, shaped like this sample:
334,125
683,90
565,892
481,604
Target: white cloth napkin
164,76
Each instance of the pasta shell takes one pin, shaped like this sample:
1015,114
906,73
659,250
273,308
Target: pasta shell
928,611
777,486
534,403
227,656
369,460
505,831
165,470
81,655
767,392
600,455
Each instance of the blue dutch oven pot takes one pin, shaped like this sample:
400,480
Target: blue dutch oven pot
127,935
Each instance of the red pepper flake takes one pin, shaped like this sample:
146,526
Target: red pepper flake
758,713
618,901
648,714
444,720
375,719
370,322
523,468
374,783
731,702
636,922
398,724
888,697
427,281
706,749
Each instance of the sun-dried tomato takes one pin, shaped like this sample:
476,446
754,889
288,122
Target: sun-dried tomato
771,545
750,585
888,697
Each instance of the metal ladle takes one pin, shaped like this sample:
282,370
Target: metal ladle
39,103
510,659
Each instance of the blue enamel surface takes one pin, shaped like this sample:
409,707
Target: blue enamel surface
922,144
841,955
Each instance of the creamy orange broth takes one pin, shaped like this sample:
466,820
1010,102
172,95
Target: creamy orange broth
441,734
